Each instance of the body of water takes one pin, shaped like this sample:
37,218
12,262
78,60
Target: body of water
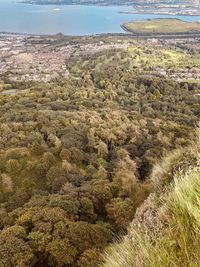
70,20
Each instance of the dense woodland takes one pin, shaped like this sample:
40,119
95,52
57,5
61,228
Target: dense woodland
76,155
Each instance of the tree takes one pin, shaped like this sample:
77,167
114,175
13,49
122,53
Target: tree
14,251
121,212
83,236
126,173
90,258
61,252
86,209
13,166
37,149
102,149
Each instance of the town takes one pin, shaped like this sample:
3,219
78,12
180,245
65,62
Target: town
45,58
41,58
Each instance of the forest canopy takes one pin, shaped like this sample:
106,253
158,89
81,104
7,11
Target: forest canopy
76,155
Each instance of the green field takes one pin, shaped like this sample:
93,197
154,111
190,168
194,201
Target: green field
162,26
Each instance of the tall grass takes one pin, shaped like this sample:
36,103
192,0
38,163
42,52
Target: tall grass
177,241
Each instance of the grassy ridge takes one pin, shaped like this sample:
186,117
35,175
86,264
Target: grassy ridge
172,237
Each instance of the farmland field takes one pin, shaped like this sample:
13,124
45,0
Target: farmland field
162,26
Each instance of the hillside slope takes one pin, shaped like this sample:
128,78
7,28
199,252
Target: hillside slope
76,153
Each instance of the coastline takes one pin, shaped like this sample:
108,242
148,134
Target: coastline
98,20
122,4
159,13
126,34
77,4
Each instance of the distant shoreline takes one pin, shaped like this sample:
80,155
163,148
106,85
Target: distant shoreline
76,4
121,4
159,13
104,35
